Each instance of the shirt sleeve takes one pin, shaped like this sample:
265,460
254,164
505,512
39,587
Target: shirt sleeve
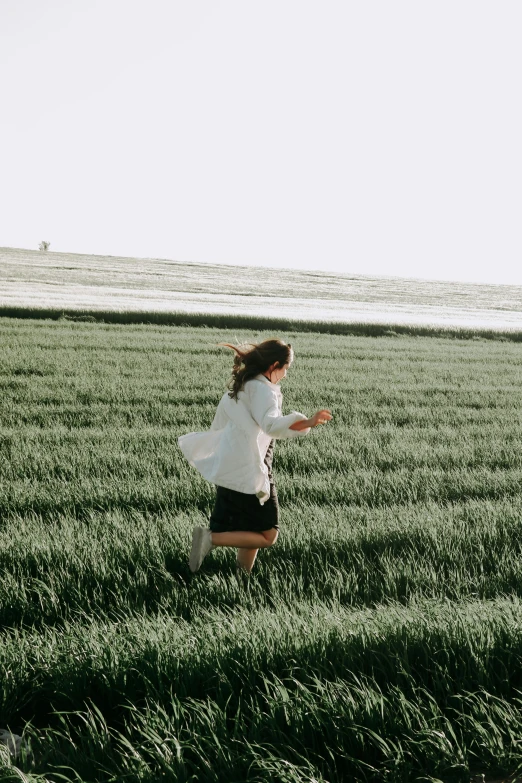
264,407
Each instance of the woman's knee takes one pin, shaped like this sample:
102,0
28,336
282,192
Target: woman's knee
271,536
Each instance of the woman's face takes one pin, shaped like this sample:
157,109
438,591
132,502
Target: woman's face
275,374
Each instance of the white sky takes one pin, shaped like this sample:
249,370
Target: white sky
366,136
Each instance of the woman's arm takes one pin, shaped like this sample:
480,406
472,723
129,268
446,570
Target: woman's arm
321,417
265,412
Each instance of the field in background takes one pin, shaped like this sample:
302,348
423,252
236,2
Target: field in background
379,640
68,282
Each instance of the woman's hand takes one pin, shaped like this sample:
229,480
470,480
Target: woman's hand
321,417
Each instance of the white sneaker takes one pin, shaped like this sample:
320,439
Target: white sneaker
201,546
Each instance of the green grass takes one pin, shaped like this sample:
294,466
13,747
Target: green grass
258,322
379,640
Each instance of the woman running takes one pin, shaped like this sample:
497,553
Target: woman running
236,454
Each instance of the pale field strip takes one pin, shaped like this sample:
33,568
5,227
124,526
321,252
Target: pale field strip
67,281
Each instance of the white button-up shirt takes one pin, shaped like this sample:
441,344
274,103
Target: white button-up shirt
232,453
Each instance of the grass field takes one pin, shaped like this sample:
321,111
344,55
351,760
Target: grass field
379,640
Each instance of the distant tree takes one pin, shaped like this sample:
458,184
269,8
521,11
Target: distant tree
44,246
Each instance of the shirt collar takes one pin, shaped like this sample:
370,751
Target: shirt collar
263,378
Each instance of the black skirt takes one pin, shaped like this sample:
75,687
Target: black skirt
240,511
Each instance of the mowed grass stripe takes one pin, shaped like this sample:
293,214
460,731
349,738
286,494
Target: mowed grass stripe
181,490
33,452
287,731
108,564
455,647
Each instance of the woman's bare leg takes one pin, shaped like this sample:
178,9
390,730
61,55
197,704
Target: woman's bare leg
245,539
247,544
246,558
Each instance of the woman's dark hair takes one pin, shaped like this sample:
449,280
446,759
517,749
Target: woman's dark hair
251,360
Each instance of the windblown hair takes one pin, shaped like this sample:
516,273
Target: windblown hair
251,360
